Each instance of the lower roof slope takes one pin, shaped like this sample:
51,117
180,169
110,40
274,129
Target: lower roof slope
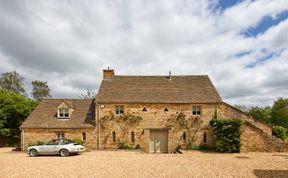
45,115
158,89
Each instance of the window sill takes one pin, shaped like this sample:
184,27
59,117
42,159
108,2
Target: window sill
63,118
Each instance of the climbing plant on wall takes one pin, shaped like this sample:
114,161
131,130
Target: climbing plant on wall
227,134
190,124
125,122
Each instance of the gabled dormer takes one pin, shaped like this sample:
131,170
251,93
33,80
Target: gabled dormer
65,109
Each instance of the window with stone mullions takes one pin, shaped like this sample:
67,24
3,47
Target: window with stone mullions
119,110
196,110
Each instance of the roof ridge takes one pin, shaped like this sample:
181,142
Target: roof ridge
67,99
204,75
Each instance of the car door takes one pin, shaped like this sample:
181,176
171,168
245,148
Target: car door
51,147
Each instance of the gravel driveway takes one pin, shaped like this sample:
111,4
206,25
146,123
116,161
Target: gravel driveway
136,164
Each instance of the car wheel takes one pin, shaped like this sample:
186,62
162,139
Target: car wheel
33,153
64,152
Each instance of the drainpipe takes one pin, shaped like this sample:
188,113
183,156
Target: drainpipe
22,139
98,125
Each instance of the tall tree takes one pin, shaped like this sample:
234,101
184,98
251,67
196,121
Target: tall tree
279,112
90,94
261,113
40,90
14,109
12,81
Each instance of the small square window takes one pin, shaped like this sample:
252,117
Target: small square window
60,135
119,110
196,110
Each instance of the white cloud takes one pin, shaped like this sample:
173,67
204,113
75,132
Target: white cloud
68,43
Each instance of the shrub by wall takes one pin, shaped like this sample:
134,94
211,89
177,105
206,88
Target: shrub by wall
280,132
78,141
227,134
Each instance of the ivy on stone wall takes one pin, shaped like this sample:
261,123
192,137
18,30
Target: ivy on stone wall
125,122
190,124
227,134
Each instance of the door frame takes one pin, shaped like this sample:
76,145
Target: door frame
167,141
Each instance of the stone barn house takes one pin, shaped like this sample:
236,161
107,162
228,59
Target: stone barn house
142,112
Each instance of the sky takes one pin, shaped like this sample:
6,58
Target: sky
241,44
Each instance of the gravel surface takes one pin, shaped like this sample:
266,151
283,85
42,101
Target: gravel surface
135,164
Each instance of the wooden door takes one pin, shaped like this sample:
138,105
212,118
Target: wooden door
158,141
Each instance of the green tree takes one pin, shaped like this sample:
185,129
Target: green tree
279,112
260,113
40,90
90,94
14,109
12,81
280,132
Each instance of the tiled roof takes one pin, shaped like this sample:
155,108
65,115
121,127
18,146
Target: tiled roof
45,114
158,89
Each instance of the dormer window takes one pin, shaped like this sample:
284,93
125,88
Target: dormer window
65,109
63,113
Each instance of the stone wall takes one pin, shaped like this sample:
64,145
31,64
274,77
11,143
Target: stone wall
255,135
227,111
31,136
255,140
154,118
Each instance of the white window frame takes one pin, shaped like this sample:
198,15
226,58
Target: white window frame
63,113
118,109
196,110
60,135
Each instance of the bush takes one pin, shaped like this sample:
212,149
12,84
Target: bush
124,145
192,147
78,141
38,142
137,147
227,134
280,132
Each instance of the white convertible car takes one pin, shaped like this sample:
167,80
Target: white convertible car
59,147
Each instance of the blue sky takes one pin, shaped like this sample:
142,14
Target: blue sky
265,23
241,45
223,4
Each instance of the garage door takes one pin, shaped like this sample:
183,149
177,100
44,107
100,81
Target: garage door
158,141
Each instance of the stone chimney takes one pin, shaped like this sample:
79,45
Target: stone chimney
108,74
